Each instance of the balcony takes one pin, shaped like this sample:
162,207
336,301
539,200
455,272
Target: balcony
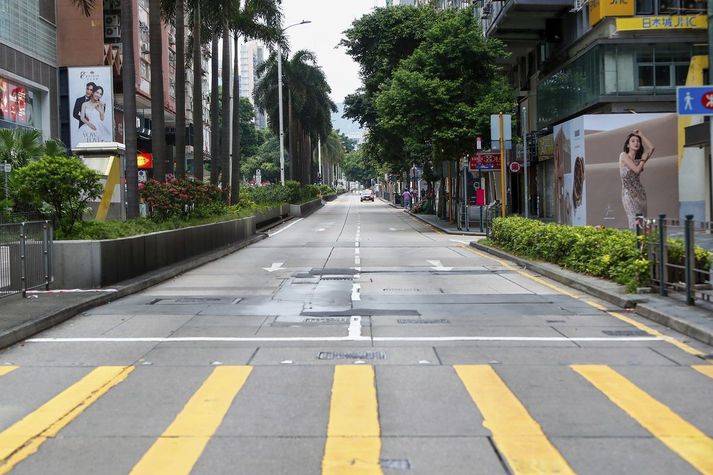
520,20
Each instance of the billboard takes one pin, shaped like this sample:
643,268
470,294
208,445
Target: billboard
596,185
91,101
16,103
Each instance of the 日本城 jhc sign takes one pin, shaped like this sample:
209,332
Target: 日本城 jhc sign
673,22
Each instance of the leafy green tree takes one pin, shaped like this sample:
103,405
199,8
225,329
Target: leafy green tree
250,138
266,158
357,167
63,184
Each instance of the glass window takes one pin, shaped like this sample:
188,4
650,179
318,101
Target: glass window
681,73
644,7
646,75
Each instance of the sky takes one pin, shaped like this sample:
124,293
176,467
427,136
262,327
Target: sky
329,19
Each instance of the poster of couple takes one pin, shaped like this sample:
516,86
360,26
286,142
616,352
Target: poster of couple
91,103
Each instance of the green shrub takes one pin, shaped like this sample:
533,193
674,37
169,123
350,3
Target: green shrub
274,195
61,185
609,253
326,190
181,199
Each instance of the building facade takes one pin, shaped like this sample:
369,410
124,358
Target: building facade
28,66
252,54
587,73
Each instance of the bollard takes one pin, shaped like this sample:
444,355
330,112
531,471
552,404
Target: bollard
690,259
46,253
663,257
637,227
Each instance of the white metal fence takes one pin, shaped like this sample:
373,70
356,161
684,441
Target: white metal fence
25,257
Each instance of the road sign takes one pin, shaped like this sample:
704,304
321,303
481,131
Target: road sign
515,167
495,127
694,100
8,167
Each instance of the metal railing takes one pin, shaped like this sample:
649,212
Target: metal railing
25,257
675,262
492,211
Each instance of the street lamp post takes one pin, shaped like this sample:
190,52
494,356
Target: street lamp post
279,99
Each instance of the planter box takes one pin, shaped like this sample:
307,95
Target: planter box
273,214
305,209
331,197
94,264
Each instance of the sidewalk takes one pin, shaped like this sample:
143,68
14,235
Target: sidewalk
441,224
21,317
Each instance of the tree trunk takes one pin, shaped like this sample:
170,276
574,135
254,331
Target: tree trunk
197,96
128,81
225,126
235,171
158,121
294,172
214,113
180,89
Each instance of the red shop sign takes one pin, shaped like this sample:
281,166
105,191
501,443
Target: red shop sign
484,161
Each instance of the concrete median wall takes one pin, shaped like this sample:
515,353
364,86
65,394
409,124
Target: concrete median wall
299,211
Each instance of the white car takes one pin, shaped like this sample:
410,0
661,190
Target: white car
367,195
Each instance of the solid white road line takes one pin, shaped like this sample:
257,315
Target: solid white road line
285,228
323,338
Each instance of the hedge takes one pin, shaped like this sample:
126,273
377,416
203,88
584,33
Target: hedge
609,253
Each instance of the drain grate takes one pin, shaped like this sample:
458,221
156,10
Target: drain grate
338,277
354,355
402,290
417,321
195,301
395,464
625,332
327,320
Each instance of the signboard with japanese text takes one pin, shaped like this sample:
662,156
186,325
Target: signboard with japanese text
672,22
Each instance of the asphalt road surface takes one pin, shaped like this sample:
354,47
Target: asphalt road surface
357,340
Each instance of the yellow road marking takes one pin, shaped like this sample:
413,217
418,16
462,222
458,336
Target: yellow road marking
672,340
707,370
6,369
517,435
675,342
353,434
686,440
183,442
26,436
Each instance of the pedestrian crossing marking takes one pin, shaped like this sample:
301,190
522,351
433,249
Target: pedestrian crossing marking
26,436
183,442
6,369
704,369
353,443
516,434
676,433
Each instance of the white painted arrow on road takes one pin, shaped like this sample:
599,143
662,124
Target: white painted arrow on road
275,266
438,266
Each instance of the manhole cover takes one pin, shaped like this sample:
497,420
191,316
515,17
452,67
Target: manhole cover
416,321
355,355
395,464
625,332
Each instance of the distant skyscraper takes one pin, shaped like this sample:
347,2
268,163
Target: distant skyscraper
252,54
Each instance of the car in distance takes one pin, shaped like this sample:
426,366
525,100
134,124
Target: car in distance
367,195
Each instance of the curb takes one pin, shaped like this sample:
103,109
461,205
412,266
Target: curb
132,286
640,305
447,231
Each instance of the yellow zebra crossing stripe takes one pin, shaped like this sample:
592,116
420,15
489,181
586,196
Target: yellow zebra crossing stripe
353,434
686,440
707,370
26,436
517,435
6,369
183,442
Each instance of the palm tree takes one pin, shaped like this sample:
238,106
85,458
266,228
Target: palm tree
332,154
197,93
309,106
19,147
158,120
214,112
257,20
180,88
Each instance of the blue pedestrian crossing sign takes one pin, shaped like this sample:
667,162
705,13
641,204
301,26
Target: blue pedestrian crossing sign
694,100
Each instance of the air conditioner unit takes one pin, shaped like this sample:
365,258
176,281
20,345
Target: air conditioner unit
112,32
112,20
112,4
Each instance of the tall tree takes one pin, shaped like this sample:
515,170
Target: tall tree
158,120
226,126
197,93
180,89
214,111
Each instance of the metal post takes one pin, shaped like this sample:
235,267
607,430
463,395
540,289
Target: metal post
480,184
524,136
637,227
23,261
663,257
690,259
502,164
4,169
281,120
45,253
